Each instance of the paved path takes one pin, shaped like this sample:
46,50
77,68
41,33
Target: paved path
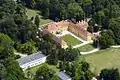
114,46
97,49
79,45
22,55
89,52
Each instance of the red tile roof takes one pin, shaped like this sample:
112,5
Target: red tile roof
51,27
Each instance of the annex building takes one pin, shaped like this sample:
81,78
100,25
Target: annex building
31,60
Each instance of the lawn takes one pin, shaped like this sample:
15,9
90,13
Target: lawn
86,48
109,58
70,40
32,13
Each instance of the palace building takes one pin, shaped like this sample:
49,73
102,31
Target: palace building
79,29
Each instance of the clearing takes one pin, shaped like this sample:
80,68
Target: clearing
32,13
108,58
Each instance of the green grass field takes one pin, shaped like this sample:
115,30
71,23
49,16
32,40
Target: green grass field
32,13
108,58
86,48
70,40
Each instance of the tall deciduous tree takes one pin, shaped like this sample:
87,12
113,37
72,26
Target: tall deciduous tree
115,27
14,72
53,57
47,13
75,11
45,73
69,54
37,20
110,74
106,39
28,48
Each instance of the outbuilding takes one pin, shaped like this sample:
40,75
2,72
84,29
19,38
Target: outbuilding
31,60
63,76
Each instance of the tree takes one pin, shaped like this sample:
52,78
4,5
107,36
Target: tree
2,72
115,11
53,57
110,74
100,16
90,29
45,73
106,39
69,54
14,72
47,13
33,2
75,11
18,46
6,46
82,71
37,20
85,66
28,48
5,40
115,27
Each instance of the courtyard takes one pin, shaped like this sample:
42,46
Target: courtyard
70,40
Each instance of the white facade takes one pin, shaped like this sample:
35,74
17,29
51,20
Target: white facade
32,60
33,63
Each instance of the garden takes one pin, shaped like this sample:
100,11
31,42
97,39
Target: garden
70,40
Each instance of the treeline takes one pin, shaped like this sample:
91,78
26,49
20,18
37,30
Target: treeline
100,10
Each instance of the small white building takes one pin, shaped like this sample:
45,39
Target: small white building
64,76
32,60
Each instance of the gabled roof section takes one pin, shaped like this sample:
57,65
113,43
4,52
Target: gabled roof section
63,76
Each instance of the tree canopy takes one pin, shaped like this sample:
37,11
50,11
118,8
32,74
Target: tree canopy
14,21
45,73
110,74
